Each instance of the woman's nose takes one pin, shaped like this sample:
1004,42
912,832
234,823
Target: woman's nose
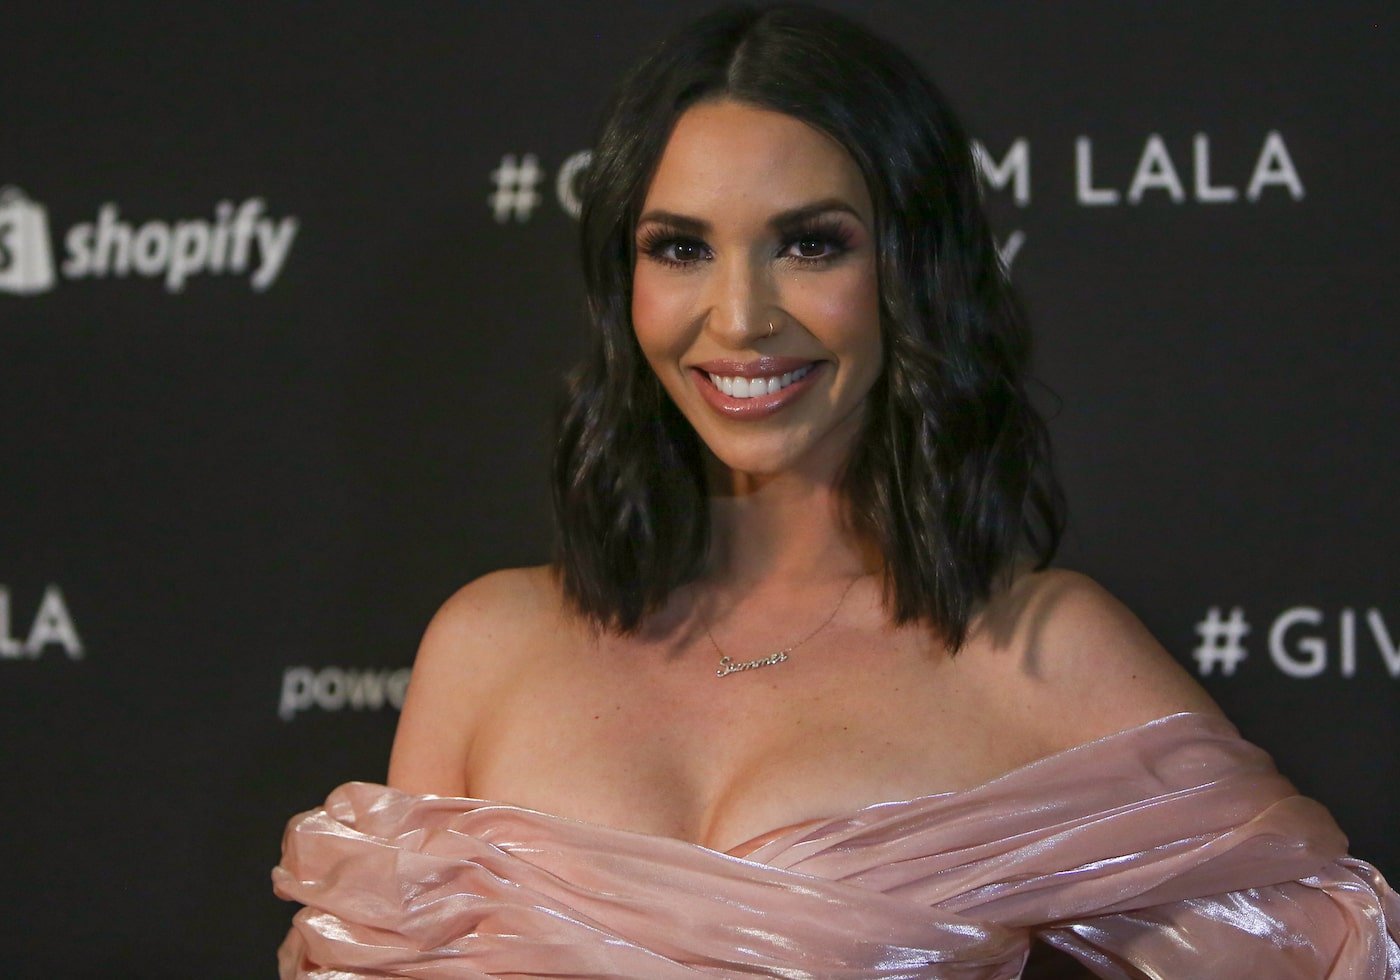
741,301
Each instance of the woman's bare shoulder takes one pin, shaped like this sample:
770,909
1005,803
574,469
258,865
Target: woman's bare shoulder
496,620
501,606
1082,663
480,638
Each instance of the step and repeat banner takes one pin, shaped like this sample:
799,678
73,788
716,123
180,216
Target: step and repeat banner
286,292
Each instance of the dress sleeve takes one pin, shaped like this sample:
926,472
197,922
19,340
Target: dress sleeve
1342,922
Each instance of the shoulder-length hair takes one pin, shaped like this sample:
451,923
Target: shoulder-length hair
952,478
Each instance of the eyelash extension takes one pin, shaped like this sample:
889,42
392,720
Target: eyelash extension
828,232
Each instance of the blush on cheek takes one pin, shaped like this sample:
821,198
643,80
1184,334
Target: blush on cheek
647,308
846,311
661,318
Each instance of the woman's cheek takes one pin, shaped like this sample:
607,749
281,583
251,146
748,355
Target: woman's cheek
652,309
847,311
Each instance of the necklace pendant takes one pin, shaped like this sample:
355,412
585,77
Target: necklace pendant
729,666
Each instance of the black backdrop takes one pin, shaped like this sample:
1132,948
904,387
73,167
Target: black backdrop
276,380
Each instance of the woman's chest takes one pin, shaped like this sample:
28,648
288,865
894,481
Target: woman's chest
675,750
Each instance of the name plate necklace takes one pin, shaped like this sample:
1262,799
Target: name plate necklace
728,665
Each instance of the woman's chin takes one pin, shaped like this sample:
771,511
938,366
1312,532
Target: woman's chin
755,469
788,457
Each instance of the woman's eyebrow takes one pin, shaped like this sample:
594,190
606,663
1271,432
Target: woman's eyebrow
784,221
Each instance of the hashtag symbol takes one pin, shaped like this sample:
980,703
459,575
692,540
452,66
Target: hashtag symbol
1220,642
515,187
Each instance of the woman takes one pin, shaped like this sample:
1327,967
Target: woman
800,695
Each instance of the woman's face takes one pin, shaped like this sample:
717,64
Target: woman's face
754,217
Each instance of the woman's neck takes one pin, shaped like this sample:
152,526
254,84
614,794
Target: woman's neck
786,528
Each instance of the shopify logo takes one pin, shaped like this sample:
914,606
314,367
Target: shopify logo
26,261
239,240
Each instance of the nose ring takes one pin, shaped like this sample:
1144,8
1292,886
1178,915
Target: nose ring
770,328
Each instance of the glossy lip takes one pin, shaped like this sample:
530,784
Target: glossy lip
764,405
759,367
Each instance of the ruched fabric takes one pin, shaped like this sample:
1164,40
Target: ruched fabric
1173,849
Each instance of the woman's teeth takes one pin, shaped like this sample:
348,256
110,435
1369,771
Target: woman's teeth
740,387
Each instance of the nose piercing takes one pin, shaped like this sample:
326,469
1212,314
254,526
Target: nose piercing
770,328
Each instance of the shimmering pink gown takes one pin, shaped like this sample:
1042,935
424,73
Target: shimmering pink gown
1173,850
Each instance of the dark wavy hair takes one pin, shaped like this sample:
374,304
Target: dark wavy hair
952,478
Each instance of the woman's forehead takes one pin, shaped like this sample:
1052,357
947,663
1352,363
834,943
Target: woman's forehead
731,156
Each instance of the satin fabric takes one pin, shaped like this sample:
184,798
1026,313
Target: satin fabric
1173,849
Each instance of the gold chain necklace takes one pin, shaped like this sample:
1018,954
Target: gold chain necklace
728,665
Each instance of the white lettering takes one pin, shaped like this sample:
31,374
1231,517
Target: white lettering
189,252
296,692
367,690
218,246
112,234
242,232
329,689
10,647
1205,193
1009,249
1388,651
1347,637
274,242
1014,169
1155,170
336,688
80,261
566,184
151,249
1314,647
1308,656
1274,166
398,686
1085,191
183,249
53,624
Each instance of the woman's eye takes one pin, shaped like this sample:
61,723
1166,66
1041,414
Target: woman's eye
818,244
685,251
809,248
816,247
812,247
672,250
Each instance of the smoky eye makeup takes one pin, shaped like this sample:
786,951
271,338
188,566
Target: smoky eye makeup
658,241
676,248
830,233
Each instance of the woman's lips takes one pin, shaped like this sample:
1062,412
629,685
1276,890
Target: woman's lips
757,406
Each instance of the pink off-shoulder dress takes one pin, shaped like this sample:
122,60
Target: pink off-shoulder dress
1170,850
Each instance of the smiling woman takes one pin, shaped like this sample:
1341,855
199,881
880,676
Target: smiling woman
796,203
768,350
800,695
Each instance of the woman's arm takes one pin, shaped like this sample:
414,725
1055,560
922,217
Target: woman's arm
1088,656
1342,923
471,646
